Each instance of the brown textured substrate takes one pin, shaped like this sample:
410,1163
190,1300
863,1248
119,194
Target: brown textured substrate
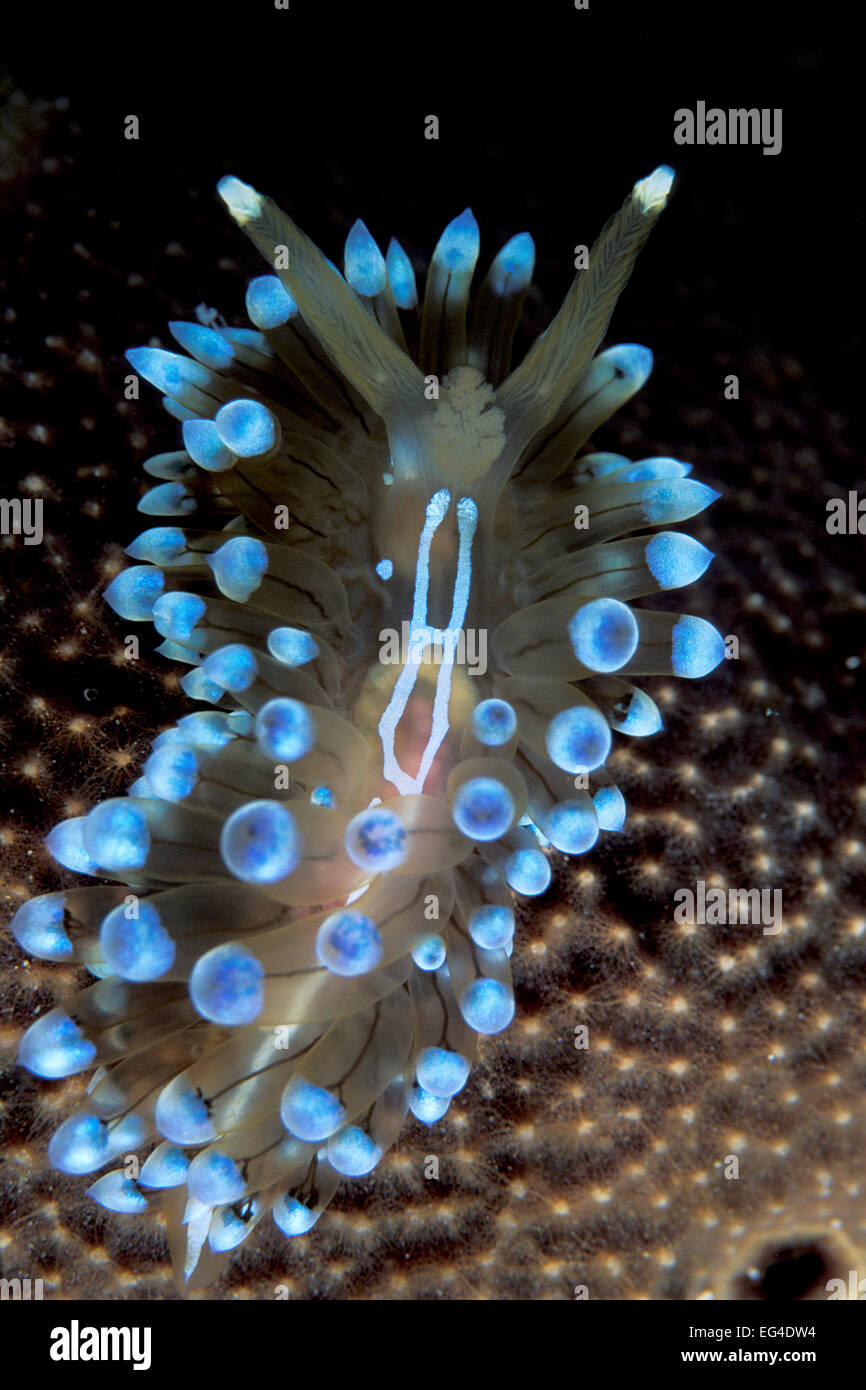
558,1167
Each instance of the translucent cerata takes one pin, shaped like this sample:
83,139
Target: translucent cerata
402,583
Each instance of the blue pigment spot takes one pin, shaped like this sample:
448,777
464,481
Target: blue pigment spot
168,371
168,499
80,1145
269,303
578,738
512,269
494,723
353,1153
175,614
202,442
572,827
348,943
116,836
159,545
214,1178
491,927
292,646
66,843
365,264
441,1072
205,344
260,842
310,1112
196,684
527,872
232,668
487,1005
239,567
674,559
181,1115
604,634
696,648
376,840
55,1046
38,928
430,953
285,729
483,808
637,715
167,1166
136,948
457,248
673,501
426,1107
227,985
401,276
213,728
134,592
227,1229
292,1217
248,428
117,1192
609,804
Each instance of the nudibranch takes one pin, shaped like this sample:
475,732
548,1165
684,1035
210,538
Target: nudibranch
307,910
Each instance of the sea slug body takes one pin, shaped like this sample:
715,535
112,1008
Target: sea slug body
309,909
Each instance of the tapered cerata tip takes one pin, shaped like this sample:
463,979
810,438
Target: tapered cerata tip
652,192
242,201
365,264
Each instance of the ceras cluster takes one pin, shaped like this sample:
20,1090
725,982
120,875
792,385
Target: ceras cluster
311,909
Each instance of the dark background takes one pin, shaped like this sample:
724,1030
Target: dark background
547,116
